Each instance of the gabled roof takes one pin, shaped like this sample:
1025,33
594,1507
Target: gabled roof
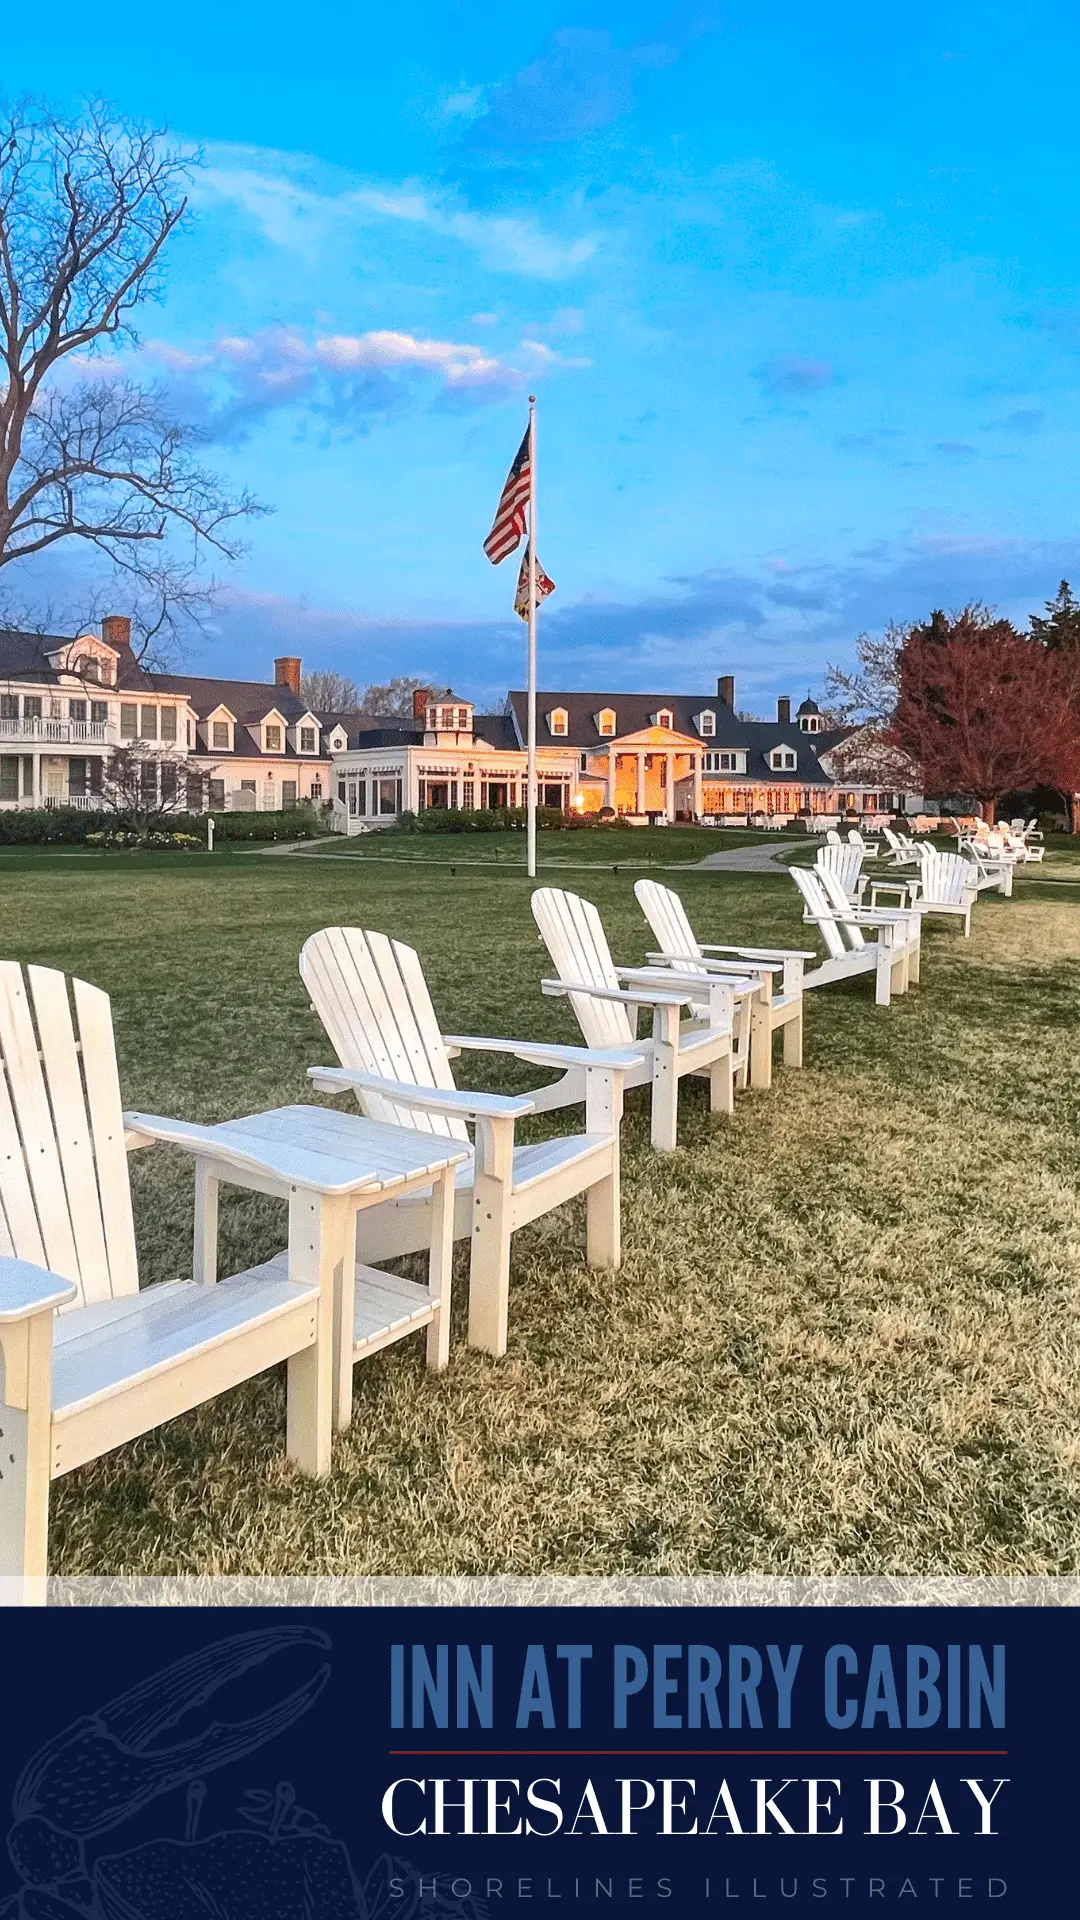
25,656
249,700
633,715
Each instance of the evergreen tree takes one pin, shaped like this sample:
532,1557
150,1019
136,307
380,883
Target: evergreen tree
1060,625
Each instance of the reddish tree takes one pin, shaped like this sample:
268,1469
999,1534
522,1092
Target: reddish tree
983,710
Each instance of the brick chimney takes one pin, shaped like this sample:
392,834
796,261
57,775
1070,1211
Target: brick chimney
783,711
421,696
287,672
116,630
725,689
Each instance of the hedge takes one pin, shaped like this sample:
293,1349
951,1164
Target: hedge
487,820
71,826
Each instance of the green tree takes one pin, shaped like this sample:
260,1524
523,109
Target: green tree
1060,625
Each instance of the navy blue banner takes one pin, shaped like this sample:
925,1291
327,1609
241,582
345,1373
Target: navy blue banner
387,1764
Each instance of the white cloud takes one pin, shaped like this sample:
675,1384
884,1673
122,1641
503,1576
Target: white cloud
298,207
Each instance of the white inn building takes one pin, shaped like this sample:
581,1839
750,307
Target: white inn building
66,703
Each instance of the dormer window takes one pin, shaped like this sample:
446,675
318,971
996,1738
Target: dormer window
337,741
91,670
706,724
559,722
605,723
782,760
272,738
219,735
307,740
665,718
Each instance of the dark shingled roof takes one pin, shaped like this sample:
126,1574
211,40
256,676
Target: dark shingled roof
25,656
634,711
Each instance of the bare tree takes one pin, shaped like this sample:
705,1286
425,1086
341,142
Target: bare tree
327,692
87,206
866,697
144,785
394,700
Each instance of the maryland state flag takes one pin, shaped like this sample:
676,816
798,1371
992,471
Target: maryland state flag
544,586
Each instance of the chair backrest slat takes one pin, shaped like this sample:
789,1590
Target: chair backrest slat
946,877
64,1192
838,899
105,1107
845,862
573,933
810,886
669,921
372,998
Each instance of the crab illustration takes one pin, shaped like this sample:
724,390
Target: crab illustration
104,1767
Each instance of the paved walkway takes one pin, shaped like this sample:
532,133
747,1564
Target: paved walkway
746,859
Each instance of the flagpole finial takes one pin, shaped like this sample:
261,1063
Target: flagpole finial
532,399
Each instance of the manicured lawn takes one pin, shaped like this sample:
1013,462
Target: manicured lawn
605,846
845,1337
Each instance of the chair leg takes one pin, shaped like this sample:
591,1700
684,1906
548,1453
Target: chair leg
760,1043
25,1438
722,1084
321,1252
603,1227
915,959
489,1264
884,977
793,1039
440,1269
664,1124
204,1265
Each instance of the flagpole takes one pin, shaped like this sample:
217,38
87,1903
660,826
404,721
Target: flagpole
531,736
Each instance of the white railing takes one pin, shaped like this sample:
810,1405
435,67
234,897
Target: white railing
58,732
83,802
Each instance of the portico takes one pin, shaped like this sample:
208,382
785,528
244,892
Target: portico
644,769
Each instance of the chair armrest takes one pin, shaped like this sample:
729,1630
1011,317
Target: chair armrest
296,1166
26,1290
691,982
779,954
446,1100
543,1053
715,969
555,988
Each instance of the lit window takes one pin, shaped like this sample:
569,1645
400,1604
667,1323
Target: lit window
273,739
307,739
665,718
605,723
558,721
219,735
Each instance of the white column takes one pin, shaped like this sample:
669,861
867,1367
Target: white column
669,785
696,763
611,776
639,798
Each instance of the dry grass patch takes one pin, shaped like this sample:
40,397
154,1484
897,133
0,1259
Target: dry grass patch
845,1337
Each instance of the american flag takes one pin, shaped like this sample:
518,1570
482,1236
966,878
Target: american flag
544,586
509,523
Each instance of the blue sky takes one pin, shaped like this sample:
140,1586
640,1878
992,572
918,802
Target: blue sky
798,293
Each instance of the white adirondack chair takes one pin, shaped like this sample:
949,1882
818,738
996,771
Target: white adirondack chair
994,868
605,1000
845,862
832,838
946,885
905,851
89,1361
770,1012
870,849
372,998
906,936
840,927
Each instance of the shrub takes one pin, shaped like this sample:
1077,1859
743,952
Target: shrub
1052,823
70,826
480,820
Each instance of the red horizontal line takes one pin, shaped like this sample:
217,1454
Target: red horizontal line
698,1753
